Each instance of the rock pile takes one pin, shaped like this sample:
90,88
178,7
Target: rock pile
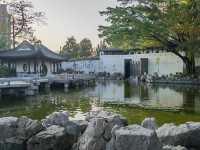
100,130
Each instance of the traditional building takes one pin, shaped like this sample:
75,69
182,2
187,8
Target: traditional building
130,64
5,25
85,65
27,59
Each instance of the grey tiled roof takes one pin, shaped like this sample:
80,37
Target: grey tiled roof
112,50
26,51
84,58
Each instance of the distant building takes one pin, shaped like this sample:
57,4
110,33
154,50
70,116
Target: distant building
27,59
129,64
86,65
5,25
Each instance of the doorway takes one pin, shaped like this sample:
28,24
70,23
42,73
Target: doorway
144,65
127,68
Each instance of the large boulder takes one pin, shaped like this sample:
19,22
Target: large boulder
13,143
170,147
8,126
134,137
57,118
98,132
23,129
149,123
82,124
55,138
27,127
187,135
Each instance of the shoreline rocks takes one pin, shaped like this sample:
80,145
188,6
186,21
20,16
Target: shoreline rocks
16,131
134,137
187,134
54,137
56,118
149,123
100,130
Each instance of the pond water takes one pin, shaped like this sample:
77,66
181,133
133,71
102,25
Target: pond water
166,103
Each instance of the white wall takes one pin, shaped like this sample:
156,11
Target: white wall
19,66
164,63
86,66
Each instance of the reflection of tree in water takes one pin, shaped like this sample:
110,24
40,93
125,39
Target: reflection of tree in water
189,97
190,93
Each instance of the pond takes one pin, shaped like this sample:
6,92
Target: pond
167,103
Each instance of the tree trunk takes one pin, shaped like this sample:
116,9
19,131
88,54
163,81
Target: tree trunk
189,62
13,32
190,65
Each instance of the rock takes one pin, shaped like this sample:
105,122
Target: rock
55,138
105,114
98,132
8,127
73,129
149,123
56,118
22,130
169,147
187,135
13,143
134,137
82,124
27,127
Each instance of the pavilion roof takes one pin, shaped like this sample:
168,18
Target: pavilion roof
27,50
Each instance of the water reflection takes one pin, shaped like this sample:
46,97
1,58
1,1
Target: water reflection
38,107
148,96
183,102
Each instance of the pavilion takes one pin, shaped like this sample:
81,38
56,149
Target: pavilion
32,59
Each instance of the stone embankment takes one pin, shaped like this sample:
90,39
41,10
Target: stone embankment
99,131
171,79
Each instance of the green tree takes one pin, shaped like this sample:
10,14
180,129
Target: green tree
102,45
71,48
85,47
171,24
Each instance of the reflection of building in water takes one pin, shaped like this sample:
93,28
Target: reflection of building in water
144,92
165,97
109,91
138,94
153,96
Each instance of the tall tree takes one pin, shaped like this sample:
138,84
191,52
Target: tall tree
102,45
171,24
85,47
71,48
23,17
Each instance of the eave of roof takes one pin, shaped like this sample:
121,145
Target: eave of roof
84,58
34,52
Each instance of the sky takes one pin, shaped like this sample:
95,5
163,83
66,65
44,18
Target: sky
65,18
